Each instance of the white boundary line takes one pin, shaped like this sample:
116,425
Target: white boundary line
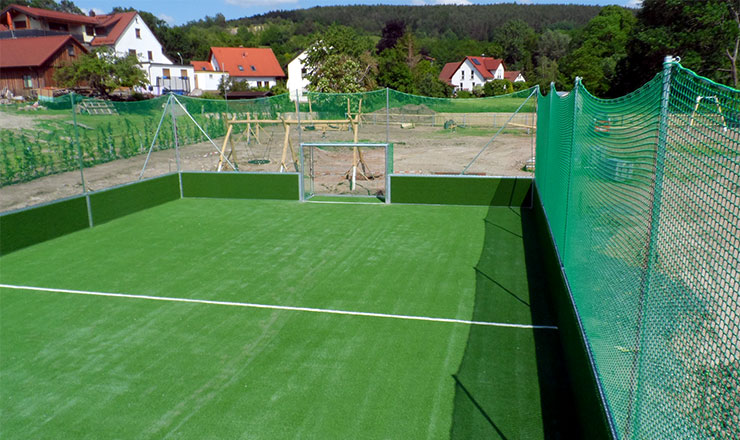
276,307
344,203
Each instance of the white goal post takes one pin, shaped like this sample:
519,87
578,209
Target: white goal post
346,169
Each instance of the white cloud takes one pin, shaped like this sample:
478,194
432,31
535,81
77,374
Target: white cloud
452,2
524,2
167,18
634,4
418,2
250,3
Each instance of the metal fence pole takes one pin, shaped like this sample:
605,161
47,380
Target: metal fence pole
633,416
564,251
80,158
387,115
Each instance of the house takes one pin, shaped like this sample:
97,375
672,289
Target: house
124,33
297,81
474,71
206,78
257,66
514,76
28,64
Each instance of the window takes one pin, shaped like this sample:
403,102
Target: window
89,30
254,69
304,71
184,73
27,82
259,83
476,62
462,74
20,24
138,33
132,52
58,27
149,55
241,69
166,73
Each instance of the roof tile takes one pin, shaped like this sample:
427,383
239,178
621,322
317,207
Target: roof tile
254,62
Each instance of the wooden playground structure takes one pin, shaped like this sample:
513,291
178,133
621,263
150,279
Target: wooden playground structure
255,126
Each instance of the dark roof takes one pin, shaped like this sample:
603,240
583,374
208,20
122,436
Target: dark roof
51,15
33,51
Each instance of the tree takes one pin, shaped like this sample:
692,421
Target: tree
391,33
703,34
518,41
102,71
600,47
394,72
426,81
339,62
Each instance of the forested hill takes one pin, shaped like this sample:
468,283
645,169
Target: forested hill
475,21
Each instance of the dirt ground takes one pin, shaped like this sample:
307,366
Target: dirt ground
418,150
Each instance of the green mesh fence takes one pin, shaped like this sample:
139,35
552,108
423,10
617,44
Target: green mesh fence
642,194
483,136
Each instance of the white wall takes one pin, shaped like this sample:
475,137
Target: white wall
466,77
267,81
147,42
499,72
208,81
296,80
157,70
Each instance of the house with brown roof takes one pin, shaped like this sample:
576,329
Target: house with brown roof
257,66
474,71
28,64
124,32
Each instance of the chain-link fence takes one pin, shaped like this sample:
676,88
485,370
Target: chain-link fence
642,194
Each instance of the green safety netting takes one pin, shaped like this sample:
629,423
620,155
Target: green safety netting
106,131
642,194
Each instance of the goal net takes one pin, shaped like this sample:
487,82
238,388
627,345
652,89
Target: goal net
346,169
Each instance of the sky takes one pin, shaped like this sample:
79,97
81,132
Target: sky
177,12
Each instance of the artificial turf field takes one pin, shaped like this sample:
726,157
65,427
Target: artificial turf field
76,365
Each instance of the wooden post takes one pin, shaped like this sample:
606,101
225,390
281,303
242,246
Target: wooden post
286,142
223,147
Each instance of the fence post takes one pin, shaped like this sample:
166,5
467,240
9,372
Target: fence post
177,145
633,416
80,158
564,251
387,115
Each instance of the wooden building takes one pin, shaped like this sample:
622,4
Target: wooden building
28,64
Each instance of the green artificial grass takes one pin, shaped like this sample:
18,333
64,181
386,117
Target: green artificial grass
74,366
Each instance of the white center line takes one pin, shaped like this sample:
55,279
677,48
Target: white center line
277,307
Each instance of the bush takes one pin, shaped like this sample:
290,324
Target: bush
521,85
498,87
463,94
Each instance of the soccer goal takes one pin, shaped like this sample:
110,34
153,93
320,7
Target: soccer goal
346,170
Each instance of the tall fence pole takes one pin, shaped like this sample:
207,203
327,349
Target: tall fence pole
177,147
569,189
387,115
633,416
80,158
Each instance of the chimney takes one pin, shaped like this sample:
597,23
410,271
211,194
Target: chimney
91,13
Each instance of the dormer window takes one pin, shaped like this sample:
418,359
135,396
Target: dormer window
241,69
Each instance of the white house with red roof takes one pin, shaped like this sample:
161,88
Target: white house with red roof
206,78
124,32
257,66
475,71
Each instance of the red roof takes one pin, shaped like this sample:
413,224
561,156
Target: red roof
33,51
511,75
115,23
485,65
52,15
254,62
447,71
119,22
200,66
